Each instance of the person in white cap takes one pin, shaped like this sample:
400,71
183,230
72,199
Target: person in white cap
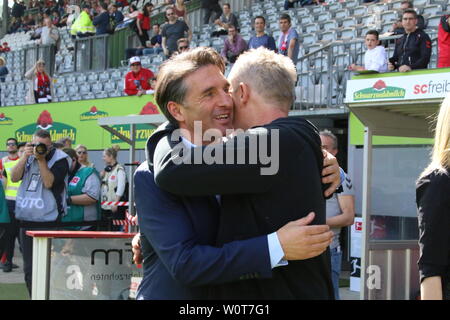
137,81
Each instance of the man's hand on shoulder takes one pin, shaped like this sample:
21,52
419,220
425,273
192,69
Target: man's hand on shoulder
300,241
331,173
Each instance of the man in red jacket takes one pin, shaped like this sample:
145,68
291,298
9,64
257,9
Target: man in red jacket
137,81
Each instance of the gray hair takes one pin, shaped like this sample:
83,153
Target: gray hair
329,134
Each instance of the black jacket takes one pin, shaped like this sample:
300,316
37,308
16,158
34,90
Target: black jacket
254,204
413,50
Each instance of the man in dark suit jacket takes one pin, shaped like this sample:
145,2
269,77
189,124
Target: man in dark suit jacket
178,233
257,197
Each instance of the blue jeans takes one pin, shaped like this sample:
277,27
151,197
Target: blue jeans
336,261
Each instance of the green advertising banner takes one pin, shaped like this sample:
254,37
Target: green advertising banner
357,136
77,120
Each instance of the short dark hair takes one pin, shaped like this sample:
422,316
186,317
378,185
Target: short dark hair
41,133
373,32
260,17
104,5
411,11
227,4
170,84
9,139
22,144
182,40
285,16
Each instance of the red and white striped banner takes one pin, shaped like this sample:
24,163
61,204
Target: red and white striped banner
128,221
115,203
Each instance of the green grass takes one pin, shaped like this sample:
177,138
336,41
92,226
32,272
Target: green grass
13,291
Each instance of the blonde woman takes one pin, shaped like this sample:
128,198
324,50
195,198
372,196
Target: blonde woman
41,86
83,157
114,181
433,202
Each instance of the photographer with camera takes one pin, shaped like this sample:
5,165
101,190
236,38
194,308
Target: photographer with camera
41,198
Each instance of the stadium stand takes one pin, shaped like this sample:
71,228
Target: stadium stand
331,37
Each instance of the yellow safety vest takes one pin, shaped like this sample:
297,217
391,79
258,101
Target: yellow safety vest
11,188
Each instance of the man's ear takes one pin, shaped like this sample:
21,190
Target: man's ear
244,93
175,110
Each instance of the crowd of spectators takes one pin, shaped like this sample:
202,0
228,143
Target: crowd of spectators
412,50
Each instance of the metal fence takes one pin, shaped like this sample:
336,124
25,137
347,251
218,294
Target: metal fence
323,71
91,53
33,54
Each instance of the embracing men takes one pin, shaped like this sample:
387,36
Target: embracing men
229,220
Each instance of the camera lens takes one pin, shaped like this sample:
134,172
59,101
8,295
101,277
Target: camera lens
41,148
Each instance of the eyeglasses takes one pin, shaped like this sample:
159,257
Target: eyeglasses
81,152
183,47
170,14
11,144
135,64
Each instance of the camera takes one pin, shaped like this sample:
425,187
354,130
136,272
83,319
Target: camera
41,148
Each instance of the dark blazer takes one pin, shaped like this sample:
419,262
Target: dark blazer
177,237
254,204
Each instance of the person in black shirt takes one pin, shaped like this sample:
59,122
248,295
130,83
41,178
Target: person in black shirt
256,198
413,49
433,203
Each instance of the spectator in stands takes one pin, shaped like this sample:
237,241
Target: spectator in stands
5,48
134,12
180,10
155,45
29,22
137,81
18,9
114,181
101,21
288,43
420,19
49,34
375,57
210,6
182,45
289,4
116,14
173,30
41,84
37,30
234,45
83,27
56,18
143,23
444,42
73,12
15,25
83,157
151,47
261,39
3,72
3,69
225,21
413,49
122,3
